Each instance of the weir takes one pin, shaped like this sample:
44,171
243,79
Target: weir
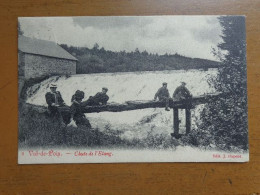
175,105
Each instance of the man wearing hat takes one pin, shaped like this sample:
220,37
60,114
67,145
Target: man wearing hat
181,92
100,98
163,95
54,100
77,114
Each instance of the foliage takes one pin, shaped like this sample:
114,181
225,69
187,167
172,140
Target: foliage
37,129
226,119
99,60
159,141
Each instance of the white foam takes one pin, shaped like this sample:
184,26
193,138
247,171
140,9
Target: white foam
126,87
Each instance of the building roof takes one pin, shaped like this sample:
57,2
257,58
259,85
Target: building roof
42,47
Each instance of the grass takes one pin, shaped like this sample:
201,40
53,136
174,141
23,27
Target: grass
36,129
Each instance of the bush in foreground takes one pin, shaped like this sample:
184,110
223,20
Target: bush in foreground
36,129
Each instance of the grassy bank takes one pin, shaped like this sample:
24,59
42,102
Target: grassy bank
37,129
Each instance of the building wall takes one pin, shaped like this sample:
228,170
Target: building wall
37,66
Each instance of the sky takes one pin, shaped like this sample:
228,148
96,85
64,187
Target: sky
191,36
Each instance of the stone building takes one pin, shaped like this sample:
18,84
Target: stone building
37,58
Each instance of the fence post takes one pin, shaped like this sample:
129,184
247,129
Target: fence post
188,120
175,122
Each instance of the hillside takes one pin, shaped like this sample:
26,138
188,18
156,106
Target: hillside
99,60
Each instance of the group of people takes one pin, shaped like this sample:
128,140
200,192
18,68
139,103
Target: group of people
180,93
55,101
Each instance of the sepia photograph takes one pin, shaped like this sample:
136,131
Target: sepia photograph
112,89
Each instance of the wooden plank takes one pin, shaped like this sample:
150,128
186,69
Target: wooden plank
176,122
188,120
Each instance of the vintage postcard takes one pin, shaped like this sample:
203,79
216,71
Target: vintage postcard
132,89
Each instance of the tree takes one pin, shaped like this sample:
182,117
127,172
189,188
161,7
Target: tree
225,120
137,51
122,61
96,46
90,64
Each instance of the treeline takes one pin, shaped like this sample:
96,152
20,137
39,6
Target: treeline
99,60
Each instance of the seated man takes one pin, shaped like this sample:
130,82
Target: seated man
76,110
163,95
100,98
181,92
54,100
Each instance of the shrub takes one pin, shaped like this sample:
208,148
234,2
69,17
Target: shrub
225,120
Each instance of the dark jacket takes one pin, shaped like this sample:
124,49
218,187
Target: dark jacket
50,98
76,110
78,115
97,99
162,93
181,92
